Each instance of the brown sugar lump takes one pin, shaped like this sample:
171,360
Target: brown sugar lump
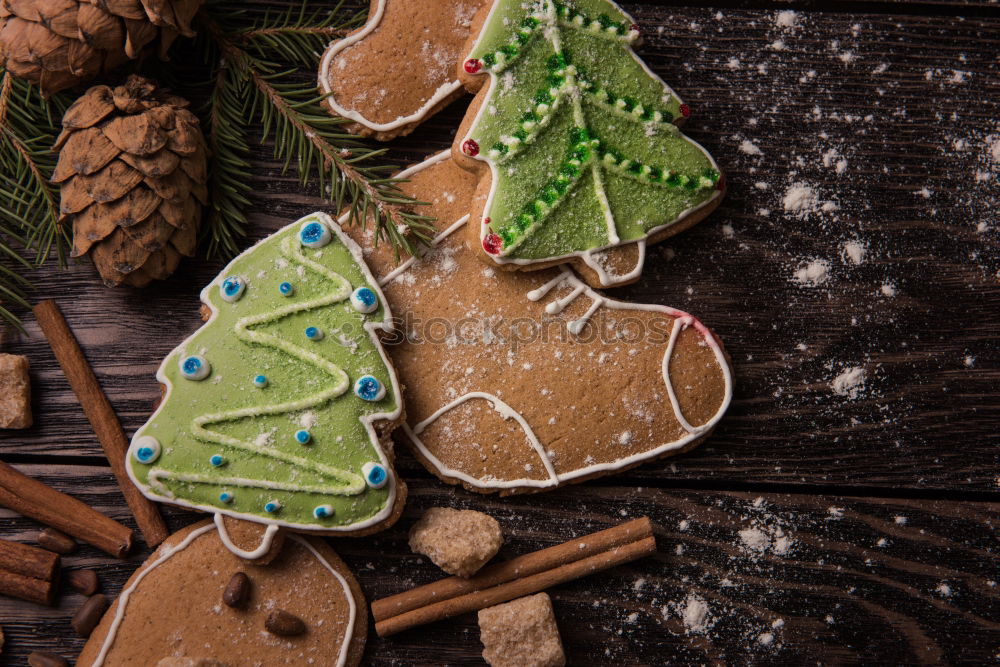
521,633
458,541
15,392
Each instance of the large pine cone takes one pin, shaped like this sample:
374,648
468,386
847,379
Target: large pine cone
60,43
132,168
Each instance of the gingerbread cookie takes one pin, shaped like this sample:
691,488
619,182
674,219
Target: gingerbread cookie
276,410
522,381
399,68
194,599
574,140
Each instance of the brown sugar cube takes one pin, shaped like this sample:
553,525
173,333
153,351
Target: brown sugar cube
458,541
521,633
15,392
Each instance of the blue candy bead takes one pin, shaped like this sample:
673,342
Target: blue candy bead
315,234
364,300
195,367
369,389
376,476
323,511
232,288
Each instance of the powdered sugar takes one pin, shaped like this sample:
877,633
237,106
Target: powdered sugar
849,383
813,273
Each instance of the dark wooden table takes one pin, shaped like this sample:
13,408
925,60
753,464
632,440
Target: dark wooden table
814,526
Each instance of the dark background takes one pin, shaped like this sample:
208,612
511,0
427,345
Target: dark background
874,517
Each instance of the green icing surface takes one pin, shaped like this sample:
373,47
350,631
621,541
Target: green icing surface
574,58
254,428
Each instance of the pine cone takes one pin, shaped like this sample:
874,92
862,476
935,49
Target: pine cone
60,43
132,168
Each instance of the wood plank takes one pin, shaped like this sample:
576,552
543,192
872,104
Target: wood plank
906,103
885,581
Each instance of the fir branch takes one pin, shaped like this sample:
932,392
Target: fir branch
29,210
297,37
249,83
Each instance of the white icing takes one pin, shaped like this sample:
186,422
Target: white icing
605,278
260,551
405,266
504,411
567,278
591,259
166,553
443,91
372,327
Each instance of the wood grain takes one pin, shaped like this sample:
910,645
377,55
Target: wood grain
903,581
929,352
905,96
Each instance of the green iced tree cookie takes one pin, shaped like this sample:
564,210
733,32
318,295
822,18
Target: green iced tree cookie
270,407
579,134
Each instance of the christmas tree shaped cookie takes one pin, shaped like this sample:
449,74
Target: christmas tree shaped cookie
575,141
274,409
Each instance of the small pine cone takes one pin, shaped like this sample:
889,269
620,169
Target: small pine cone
132,173
60,43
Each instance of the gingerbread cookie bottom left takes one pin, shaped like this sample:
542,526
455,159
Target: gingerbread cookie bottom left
190,600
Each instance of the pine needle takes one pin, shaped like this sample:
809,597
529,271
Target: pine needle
30,230
257,80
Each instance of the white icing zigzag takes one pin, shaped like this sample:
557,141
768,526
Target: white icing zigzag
372,327
346,482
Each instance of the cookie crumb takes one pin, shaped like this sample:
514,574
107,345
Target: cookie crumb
521,633
458,541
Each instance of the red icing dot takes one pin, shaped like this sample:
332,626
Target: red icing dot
685,110
634,27
486,221
721,183
492,243
472,65
470,147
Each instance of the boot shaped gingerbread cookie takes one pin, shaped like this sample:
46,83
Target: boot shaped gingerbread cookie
522,381
276,409
195,603
574,140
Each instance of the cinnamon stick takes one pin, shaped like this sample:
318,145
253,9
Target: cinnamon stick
33,499
28,573
31,589
515,578
101,415
28,561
